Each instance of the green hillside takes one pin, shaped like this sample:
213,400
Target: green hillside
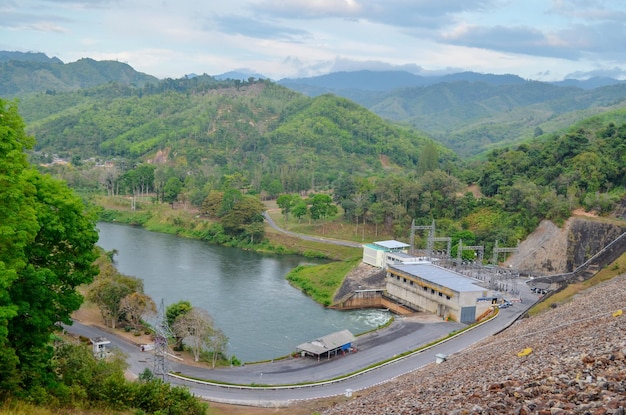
473,117
257,127
23,73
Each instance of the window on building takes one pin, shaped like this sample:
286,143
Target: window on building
440,294
404,280
425,288
432,291
447,297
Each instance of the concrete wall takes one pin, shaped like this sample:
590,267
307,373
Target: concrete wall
372,299
433,298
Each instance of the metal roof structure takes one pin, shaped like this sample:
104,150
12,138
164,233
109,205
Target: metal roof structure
391,244
440,276
328,343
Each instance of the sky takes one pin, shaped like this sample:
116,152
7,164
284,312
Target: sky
544,40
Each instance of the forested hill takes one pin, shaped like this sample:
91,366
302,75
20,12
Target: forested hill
258,127
22,73
468,112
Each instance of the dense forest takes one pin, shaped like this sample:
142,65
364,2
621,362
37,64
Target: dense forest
468,112
217,145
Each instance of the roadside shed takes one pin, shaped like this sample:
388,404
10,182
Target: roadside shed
340,342
99,347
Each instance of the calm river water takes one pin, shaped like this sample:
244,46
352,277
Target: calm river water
246,293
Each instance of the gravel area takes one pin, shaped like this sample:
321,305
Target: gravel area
577,366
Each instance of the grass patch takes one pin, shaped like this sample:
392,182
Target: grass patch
320,282
335,228
24,408
566,294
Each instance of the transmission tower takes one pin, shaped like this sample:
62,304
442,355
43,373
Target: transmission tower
162,334
497,251
479,250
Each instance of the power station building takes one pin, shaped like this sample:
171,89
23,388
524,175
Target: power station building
424,286
376,253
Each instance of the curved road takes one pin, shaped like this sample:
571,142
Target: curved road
275,226
403,335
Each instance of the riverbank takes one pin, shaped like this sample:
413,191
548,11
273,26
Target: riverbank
185,221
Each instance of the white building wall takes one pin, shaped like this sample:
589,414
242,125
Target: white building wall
433,298
370,256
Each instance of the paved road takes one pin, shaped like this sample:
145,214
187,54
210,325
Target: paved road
404,335
275,226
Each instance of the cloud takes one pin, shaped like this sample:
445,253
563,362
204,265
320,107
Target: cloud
399,13
343,64
598,10
256,28
513,39
29,21
615,72
308,9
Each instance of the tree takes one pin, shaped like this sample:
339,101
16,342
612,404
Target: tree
246,213
137,305
322,206
300,210
47,249
286,202
195,328
217,344
428,158
176,310
171,190
172,313
18,222
212,204
107,294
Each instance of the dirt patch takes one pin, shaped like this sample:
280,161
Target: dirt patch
543,251
582,212
361,277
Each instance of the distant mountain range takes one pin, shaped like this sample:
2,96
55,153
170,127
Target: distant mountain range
469,112
390,80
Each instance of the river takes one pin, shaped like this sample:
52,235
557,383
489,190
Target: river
262,315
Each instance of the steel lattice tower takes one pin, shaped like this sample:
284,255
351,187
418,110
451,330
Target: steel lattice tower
162,334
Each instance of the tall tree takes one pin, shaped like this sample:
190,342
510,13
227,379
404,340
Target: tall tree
171,190
195,328
136,306
286,202
242,218
47,248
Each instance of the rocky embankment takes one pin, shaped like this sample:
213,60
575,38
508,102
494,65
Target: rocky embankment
553,250
577,366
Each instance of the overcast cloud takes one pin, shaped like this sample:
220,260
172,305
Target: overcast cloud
536,39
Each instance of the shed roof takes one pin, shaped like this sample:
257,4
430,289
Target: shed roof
441,276
392,244
99,340
328,343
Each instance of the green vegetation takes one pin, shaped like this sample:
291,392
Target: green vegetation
320,282
47,250
221,147
53,76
